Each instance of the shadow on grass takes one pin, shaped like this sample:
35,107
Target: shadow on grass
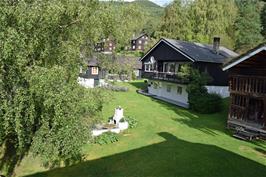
207,123
170,158
139,84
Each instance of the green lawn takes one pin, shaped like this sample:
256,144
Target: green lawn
168,142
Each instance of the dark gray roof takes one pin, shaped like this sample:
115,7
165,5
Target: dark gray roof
138,36
201,52
126,60
93,61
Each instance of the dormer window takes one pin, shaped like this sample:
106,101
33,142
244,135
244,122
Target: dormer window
94,70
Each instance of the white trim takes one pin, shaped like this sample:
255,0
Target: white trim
165,41
244,58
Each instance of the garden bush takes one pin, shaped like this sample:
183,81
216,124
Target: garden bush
106,138
206,103
115,88
132,122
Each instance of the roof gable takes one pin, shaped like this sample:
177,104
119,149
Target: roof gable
139,36
196,51
245,56
164,42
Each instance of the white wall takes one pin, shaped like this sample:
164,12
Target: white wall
221,90
172,95
88,83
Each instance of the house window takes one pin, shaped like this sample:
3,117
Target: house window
169,67
134,42
133,47
110,44
148,67
179,90
139,47
94,70
168,88
110,48
140,41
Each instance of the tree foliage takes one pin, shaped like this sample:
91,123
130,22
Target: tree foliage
120,21
199,20
43,110
248,25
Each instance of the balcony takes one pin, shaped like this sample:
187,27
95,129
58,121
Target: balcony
165,76
248,85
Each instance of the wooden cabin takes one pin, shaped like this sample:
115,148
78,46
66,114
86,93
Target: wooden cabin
105,45
247,84
93,76
139,42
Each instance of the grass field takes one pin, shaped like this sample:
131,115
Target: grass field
168,142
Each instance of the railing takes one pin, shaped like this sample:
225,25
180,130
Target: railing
173,77
248,84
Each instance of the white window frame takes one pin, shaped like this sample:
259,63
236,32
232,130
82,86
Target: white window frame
94,70
133,47
140,41
139,47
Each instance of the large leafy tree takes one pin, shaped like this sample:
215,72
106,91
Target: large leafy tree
248,24
212,17
176,23
120,21
42,109
199,20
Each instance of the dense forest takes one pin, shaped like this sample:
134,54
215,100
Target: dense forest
241,24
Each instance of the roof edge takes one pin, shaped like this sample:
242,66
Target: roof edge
169,44
244,57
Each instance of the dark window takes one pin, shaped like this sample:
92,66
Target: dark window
179,90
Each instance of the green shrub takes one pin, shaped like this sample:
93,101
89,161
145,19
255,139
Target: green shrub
106,138
115,88
132,122
206,103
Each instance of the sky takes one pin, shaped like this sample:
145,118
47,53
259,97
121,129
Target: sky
159,2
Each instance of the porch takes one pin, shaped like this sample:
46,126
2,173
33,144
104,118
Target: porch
165,76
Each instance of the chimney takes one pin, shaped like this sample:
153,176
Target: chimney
216,44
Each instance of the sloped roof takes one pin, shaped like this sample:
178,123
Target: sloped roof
133,61
244,56
138,36
93,61
198,52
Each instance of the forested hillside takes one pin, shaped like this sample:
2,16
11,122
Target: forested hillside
241,24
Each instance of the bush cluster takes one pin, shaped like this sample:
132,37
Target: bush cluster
106,138
132,122
115,88
206,103
198,97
